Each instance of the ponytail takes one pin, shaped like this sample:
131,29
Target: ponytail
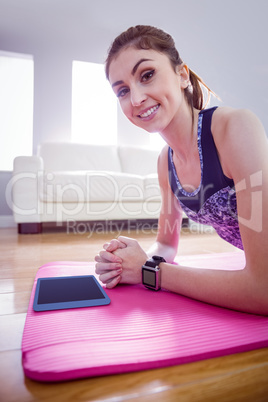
198,93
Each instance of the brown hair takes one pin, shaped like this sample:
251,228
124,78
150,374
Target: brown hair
148,37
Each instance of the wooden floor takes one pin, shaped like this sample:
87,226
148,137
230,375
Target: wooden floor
239,377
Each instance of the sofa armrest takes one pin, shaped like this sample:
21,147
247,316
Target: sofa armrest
24,188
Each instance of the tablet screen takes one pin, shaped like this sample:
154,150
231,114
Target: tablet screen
68,292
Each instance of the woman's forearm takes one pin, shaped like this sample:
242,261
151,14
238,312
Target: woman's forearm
238,290
168,252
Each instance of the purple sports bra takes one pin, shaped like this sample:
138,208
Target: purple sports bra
214,201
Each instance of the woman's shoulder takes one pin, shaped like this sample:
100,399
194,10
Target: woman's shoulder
227,120
237,132
231,126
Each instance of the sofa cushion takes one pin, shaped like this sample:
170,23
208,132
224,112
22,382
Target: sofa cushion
136,160
85,186
74,157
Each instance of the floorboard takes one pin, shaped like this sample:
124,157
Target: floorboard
240,377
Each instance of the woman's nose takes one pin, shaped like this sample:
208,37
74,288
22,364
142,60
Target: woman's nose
137,97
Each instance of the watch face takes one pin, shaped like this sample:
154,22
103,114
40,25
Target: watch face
149,277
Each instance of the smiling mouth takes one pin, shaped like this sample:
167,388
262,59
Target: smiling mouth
149,111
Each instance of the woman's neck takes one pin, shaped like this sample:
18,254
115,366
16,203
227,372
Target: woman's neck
181,134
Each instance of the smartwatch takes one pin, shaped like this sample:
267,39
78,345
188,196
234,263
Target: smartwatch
151,273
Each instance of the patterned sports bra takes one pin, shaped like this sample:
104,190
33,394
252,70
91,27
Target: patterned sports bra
214,201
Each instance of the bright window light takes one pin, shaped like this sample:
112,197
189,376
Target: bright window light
94,105
16,105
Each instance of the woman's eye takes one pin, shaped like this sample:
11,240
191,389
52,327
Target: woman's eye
122,92
147,76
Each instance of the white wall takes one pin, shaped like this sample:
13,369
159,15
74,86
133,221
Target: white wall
223,41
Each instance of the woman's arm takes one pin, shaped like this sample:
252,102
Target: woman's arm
243,151
170,218
109,263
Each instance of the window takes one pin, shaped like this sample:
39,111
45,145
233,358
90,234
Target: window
16,105
94,105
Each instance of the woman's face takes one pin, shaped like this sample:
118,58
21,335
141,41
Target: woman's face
150,92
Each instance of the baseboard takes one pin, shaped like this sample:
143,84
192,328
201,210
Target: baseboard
7,221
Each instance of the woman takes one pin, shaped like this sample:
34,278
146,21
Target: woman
214,167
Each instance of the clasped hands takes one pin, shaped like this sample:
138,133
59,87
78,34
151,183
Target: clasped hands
120,261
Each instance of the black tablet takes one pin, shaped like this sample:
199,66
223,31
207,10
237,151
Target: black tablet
68,292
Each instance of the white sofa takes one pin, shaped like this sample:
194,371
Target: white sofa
70,183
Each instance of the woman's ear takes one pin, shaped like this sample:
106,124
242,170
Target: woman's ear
184,73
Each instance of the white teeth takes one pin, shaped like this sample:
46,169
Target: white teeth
150,111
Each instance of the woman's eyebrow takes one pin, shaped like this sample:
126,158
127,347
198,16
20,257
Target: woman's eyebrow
134,69
137,65
117,83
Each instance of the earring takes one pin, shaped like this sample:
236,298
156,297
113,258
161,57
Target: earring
189,87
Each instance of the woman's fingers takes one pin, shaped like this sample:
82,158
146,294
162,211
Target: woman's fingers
106,256
114,245
103,267
108,265
114,282
109,276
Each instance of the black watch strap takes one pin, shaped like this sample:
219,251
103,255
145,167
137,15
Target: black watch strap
151,273
154,261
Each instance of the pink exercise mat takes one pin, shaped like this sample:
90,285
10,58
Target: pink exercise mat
140,329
